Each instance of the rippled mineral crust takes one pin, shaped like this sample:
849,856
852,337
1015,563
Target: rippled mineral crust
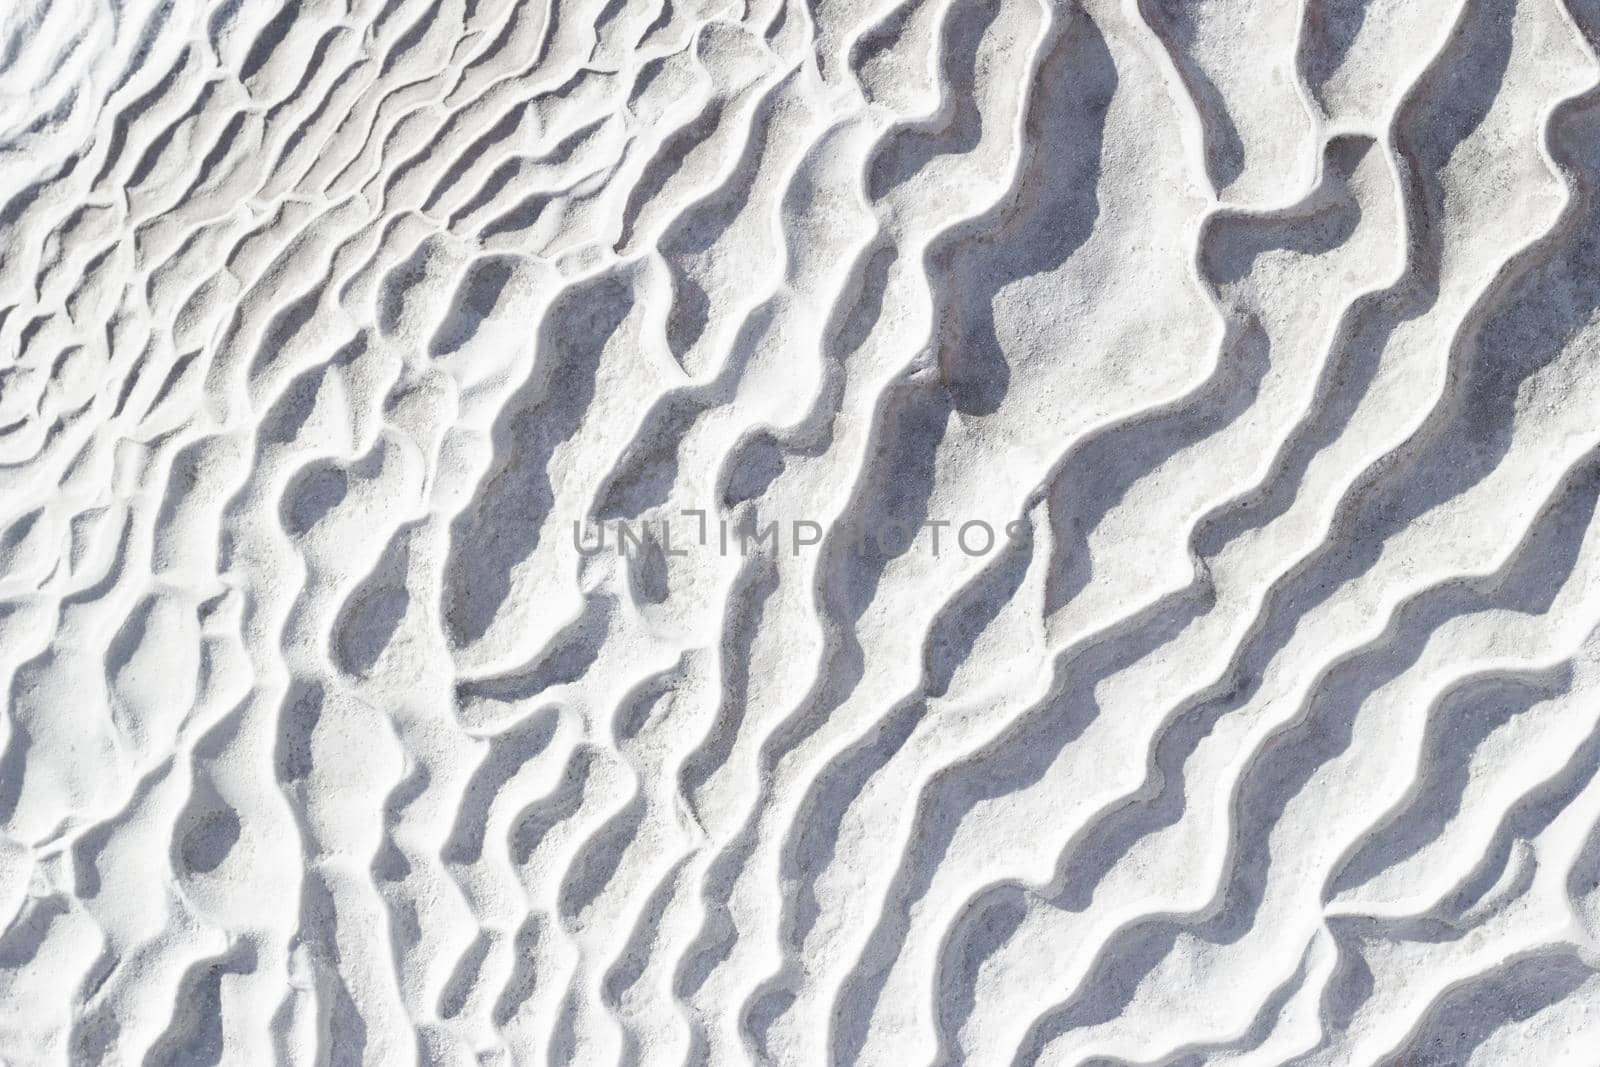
800,532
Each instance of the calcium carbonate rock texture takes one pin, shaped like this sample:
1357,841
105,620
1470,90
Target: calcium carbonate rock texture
897,532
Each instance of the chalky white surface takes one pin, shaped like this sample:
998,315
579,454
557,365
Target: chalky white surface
1271,328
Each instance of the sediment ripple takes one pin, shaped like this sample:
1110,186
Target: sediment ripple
800,532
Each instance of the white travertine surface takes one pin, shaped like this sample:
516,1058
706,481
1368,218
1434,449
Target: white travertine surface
895,532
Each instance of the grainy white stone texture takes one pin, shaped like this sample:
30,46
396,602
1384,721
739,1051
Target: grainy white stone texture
1241,356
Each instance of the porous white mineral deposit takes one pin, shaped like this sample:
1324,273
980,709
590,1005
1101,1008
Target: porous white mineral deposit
800,532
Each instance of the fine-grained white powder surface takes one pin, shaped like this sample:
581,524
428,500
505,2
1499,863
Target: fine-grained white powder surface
800,532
